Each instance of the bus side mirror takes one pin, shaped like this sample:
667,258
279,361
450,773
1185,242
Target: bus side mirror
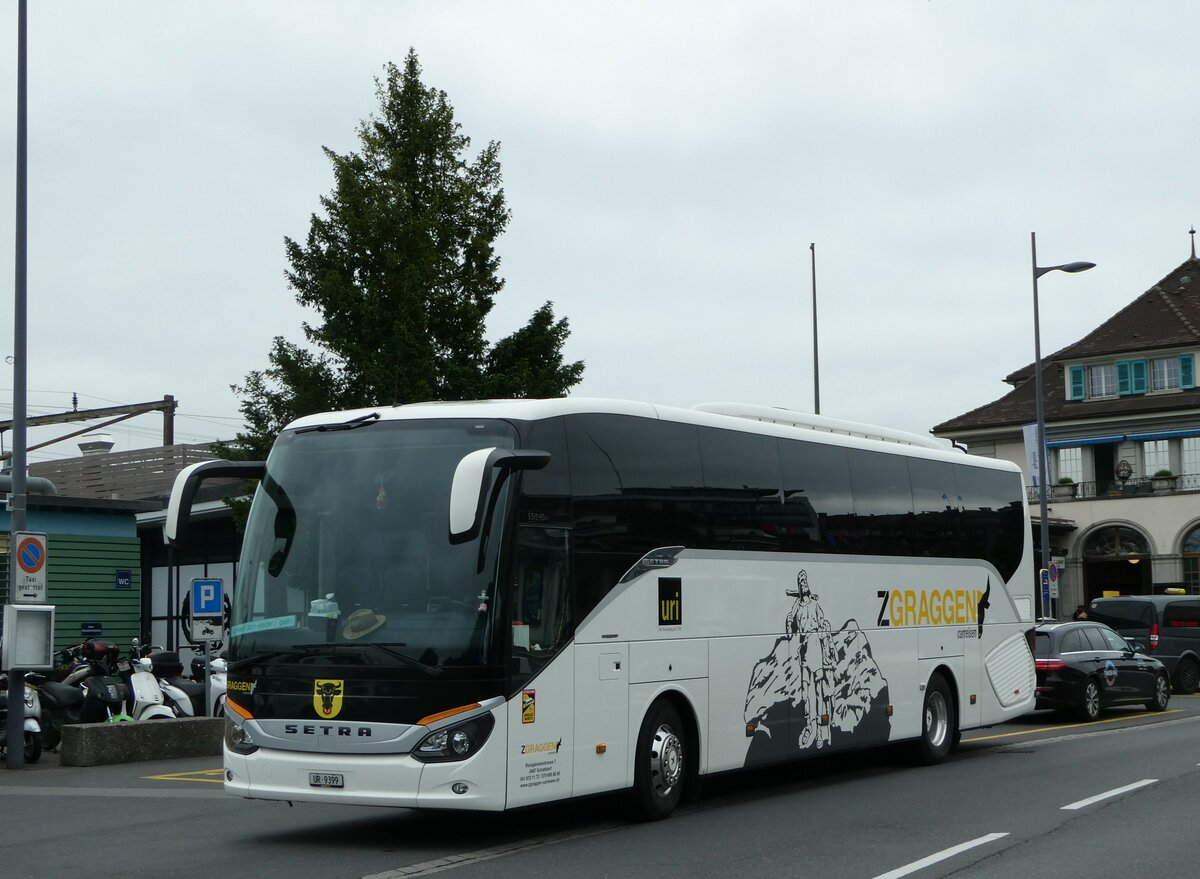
476,485
183,492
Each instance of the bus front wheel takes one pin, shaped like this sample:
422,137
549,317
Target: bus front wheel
660,763
939,722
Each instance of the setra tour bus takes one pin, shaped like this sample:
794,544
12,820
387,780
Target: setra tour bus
488,605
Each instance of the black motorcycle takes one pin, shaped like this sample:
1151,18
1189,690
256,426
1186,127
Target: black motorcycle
91,692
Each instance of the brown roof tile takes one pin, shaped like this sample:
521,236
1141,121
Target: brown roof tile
1165,316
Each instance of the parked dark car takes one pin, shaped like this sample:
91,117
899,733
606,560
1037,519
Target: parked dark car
1168,626
1085,666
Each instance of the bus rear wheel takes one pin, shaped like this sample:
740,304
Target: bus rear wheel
660,763
939,723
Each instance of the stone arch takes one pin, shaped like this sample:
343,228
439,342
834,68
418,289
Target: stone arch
1189,553
1116,556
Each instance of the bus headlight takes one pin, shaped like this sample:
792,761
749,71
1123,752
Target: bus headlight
238,738
456,742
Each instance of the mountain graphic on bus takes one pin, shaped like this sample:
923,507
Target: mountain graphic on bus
817,689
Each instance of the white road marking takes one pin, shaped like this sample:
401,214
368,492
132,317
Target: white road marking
449,862
1116,792
940,856
1089,733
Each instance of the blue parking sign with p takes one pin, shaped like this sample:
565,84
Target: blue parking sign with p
207,598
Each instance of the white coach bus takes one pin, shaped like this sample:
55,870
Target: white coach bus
495,604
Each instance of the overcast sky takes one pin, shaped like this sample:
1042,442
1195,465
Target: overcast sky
667,166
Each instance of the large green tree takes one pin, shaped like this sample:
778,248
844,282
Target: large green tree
401,268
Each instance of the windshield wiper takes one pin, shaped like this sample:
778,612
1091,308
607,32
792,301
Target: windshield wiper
259,657
333,647
432,670
296,650
360,421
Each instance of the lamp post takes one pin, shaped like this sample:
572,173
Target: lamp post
1038,271
816,360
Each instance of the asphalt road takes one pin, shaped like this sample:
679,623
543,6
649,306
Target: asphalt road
1040,797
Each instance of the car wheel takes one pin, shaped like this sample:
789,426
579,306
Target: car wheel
1162,694
660,763
1187,676
1089,701
939,724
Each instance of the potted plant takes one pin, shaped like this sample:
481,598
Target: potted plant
1163,480
1066,487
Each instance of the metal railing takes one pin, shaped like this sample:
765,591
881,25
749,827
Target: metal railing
1115,489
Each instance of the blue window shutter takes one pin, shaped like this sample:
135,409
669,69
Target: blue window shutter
1077,383
1187,370
1124,382
1138,371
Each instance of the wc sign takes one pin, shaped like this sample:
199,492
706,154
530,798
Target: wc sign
28,568
207,606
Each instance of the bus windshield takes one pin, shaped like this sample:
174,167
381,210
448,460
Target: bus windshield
346,554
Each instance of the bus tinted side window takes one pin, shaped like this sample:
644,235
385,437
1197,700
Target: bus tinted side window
817,509
742,482
882,502
636,482
637,485
936,506
546,493
993,520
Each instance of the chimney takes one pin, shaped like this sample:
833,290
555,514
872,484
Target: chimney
96,444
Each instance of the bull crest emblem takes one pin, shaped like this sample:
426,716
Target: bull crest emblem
327,697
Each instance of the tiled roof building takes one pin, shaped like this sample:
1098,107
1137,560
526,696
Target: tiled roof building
1121,405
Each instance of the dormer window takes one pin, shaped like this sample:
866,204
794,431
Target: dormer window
1164,374
1102,380
1127,378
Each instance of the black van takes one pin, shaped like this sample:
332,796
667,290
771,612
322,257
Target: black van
1168,627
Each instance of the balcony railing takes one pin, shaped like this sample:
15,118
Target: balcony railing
1114,488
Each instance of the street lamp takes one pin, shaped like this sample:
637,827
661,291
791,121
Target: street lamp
1038,271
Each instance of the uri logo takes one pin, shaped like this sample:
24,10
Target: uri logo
670,601
818,688
327,697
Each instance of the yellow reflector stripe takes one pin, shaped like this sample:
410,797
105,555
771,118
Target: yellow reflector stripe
442,715
237,709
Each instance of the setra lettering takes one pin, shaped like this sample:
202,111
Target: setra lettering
310,729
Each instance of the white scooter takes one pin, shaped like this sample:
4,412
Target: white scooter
185,696
216,682
144,692
32,723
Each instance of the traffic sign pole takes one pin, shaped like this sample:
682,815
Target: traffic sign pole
208,613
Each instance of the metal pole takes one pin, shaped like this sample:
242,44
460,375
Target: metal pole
816,360
1041,425
16,498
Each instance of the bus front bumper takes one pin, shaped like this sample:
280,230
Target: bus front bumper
395,780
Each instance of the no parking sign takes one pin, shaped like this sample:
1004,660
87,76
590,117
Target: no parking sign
28,567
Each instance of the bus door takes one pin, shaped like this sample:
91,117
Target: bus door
542,707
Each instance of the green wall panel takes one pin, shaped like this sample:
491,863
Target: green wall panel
81,582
